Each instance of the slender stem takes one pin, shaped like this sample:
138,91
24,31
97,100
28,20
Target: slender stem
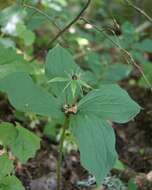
143,27
42,13
59,163
139,10
71,23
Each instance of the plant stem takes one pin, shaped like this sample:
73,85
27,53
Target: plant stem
71,23
139,10
42,13
59,163
132,61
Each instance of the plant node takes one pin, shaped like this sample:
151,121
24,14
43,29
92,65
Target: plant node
67,109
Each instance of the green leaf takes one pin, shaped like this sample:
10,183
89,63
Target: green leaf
132,185
7,42
73,87
84,84
119,165
25,34
128,35
144,46
90,78
94,63
51,130
138,56
7,69
8,133
128,28
29,37
36,21
96,141
25,145
147,69
26,96
110,102
11,183
58,79
59,63
6,165
22,142
116,72
12,58
15,63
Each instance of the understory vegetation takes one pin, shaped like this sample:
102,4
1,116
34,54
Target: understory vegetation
75,95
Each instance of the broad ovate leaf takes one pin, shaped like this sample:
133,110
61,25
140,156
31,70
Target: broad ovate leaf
26,96
8,133
22,143
96,142
25,145
110,102
59,63
60,68
6,165
11,183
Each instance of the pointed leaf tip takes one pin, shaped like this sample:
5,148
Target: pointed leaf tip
96,141
26,96
110,102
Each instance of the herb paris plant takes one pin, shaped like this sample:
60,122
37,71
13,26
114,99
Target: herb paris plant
88,115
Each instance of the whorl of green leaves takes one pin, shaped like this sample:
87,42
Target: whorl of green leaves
90,122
